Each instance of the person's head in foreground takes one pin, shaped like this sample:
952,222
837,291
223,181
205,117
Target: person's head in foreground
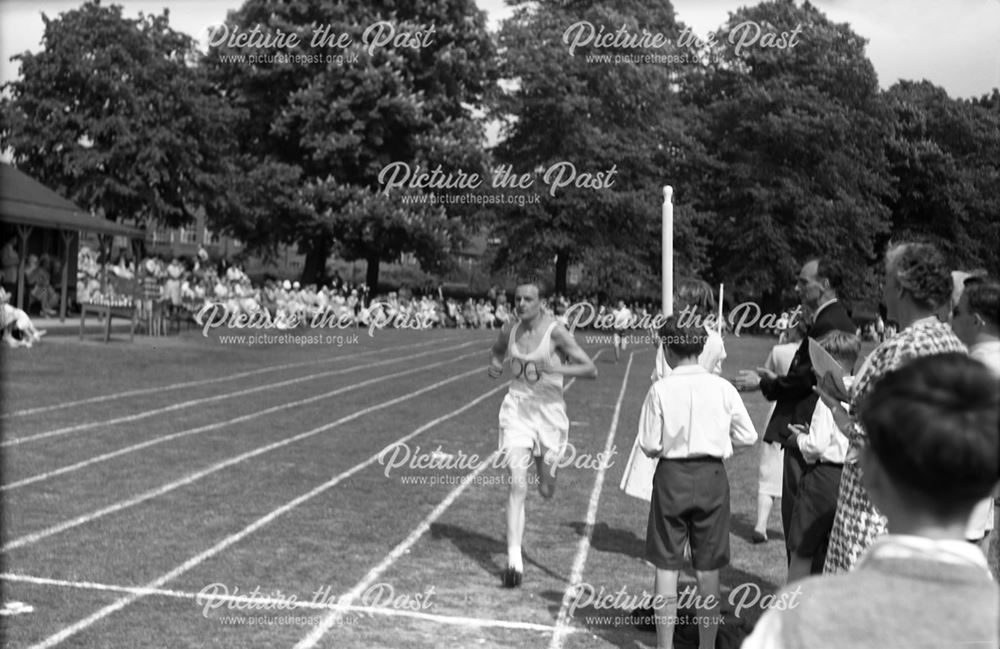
934,444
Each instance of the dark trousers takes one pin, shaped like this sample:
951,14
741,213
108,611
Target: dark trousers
795,465
815,509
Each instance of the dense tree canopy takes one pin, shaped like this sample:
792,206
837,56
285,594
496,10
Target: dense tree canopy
774,134
341,121
798,136
113,114
566,104
945,157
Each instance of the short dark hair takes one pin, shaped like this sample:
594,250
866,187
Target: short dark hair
984,299
684,341
934,426
531,280
829,270
695,293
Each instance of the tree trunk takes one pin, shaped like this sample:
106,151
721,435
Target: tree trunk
314,268
562,266
371,276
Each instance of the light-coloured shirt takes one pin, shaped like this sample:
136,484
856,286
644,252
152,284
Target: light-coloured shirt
987,353
768,633
692,413
824,441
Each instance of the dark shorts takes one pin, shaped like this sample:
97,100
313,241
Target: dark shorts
690,505
814,509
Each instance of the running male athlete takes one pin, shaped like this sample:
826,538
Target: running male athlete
623,317
533,422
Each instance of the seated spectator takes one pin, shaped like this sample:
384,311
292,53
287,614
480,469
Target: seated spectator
39,278
16,327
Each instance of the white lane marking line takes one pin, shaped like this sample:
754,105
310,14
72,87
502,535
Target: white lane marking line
193,477
333,618
562,621
402,548
209,427
263,602
219,397
192,384
193,562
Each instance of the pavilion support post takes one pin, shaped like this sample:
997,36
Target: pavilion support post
67,239
23,231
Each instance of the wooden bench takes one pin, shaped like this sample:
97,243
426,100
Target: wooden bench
108,312
119,303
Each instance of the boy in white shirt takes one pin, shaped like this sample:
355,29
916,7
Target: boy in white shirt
690,421
824,447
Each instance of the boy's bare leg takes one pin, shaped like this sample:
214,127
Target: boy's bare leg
764,504
709,605
665,609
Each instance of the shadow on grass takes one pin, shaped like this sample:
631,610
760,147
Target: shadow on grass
742,525
481,549
743,593
608,539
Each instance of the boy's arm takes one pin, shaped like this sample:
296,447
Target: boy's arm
498,351
651,425
581,366
815,439
741,430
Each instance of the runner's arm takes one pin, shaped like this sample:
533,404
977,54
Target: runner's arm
580,364
498,351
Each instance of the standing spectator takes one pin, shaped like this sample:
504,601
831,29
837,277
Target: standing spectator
824,448
690,421
817,286
772,455
917,285
932,427
977,324
696,298
783,327
172,287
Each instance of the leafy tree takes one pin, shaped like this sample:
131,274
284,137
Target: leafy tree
598,114
945,156
340,122
797,138
114,115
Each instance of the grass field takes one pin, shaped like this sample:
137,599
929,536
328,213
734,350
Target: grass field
178,492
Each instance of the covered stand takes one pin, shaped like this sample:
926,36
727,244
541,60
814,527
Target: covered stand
30,205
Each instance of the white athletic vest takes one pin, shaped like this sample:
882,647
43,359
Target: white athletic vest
549,385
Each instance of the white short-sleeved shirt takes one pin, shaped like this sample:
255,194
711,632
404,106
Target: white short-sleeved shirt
693,413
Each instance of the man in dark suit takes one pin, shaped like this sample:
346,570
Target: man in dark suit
816,287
